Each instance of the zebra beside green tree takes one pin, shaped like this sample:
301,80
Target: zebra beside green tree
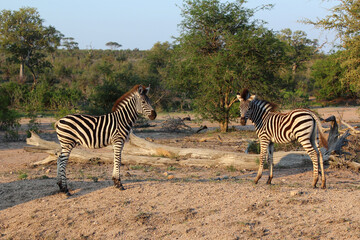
100,131
275,127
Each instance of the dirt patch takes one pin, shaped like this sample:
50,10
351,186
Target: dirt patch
197,203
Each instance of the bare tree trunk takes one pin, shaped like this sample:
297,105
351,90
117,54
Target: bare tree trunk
21,73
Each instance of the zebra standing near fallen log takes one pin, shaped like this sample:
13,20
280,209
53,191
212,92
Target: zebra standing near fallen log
100,131
274,127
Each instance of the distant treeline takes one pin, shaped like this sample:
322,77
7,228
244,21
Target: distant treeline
221,49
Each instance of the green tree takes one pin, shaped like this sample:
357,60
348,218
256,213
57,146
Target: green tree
299,49
345,19
155,64
26,40
113,45
69,43
326,73
221,50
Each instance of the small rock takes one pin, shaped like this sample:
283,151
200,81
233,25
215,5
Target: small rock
170,177
165,174
48,171
296,193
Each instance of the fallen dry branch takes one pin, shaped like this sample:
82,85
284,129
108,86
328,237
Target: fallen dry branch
139,151
350,127
175,125
337,156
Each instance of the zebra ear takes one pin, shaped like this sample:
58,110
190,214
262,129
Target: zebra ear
147,89
252,97
239,97
140,90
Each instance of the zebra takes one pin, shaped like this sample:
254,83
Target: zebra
100,131
275,127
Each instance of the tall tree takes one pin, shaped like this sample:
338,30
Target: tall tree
220,50
69,43
299,48
113,45
25,40
345,19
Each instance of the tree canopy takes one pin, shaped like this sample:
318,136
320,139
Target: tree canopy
25,39
345,20
221,50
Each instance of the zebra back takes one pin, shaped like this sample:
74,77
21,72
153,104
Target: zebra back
100,131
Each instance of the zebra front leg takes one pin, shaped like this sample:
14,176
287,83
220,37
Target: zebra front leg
61,171
270,162
263,152
118,146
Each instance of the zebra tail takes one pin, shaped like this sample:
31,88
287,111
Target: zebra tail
323,140
56,124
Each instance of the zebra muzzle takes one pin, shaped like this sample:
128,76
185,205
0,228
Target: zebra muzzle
152,116
243,121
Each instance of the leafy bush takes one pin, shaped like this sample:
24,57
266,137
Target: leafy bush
9,119
104,96
327,73
296,99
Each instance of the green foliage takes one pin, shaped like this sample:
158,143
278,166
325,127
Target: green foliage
326,73
22,175
299,50
171,168
25,40
231,168
9,119
253,147
220,51
295,99
104,97
33,125
345,19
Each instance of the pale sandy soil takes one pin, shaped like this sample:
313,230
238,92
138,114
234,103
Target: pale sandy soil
198,203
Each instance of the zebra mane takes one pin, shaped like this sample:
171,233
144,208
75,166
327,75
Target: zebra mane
273,107
245,94
126,96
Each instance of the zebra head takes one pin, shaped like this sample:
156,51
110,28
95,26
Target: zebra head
245,99
143,105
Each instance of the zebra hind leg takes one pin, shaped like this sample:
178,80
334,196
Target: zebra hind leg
314,158
61,172
323,179
270,162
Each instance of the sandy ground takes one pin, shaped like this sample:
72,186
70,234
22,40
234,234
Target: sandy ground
197,203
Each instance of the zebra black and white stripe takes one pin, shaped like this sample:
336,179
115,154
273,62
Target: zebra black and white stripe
274,127
100,131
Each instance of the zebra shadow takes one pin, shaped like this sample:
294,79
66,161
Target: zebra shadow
22,191
293,160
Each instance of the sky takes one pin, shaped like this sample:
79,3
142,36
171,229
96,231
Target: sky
142,23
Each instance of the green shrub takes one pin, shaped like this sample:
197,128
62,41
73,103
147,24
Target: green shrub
253,147
9,119
104,97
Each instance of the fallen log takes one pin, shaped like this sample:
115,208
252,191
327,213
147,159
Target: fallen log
139,151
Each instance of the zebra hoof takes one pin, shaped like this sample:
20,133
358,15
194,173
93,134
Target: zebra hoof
118,184
64,189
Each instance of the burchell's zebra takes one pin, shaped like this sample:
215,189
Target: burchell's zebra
274,127
100,131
